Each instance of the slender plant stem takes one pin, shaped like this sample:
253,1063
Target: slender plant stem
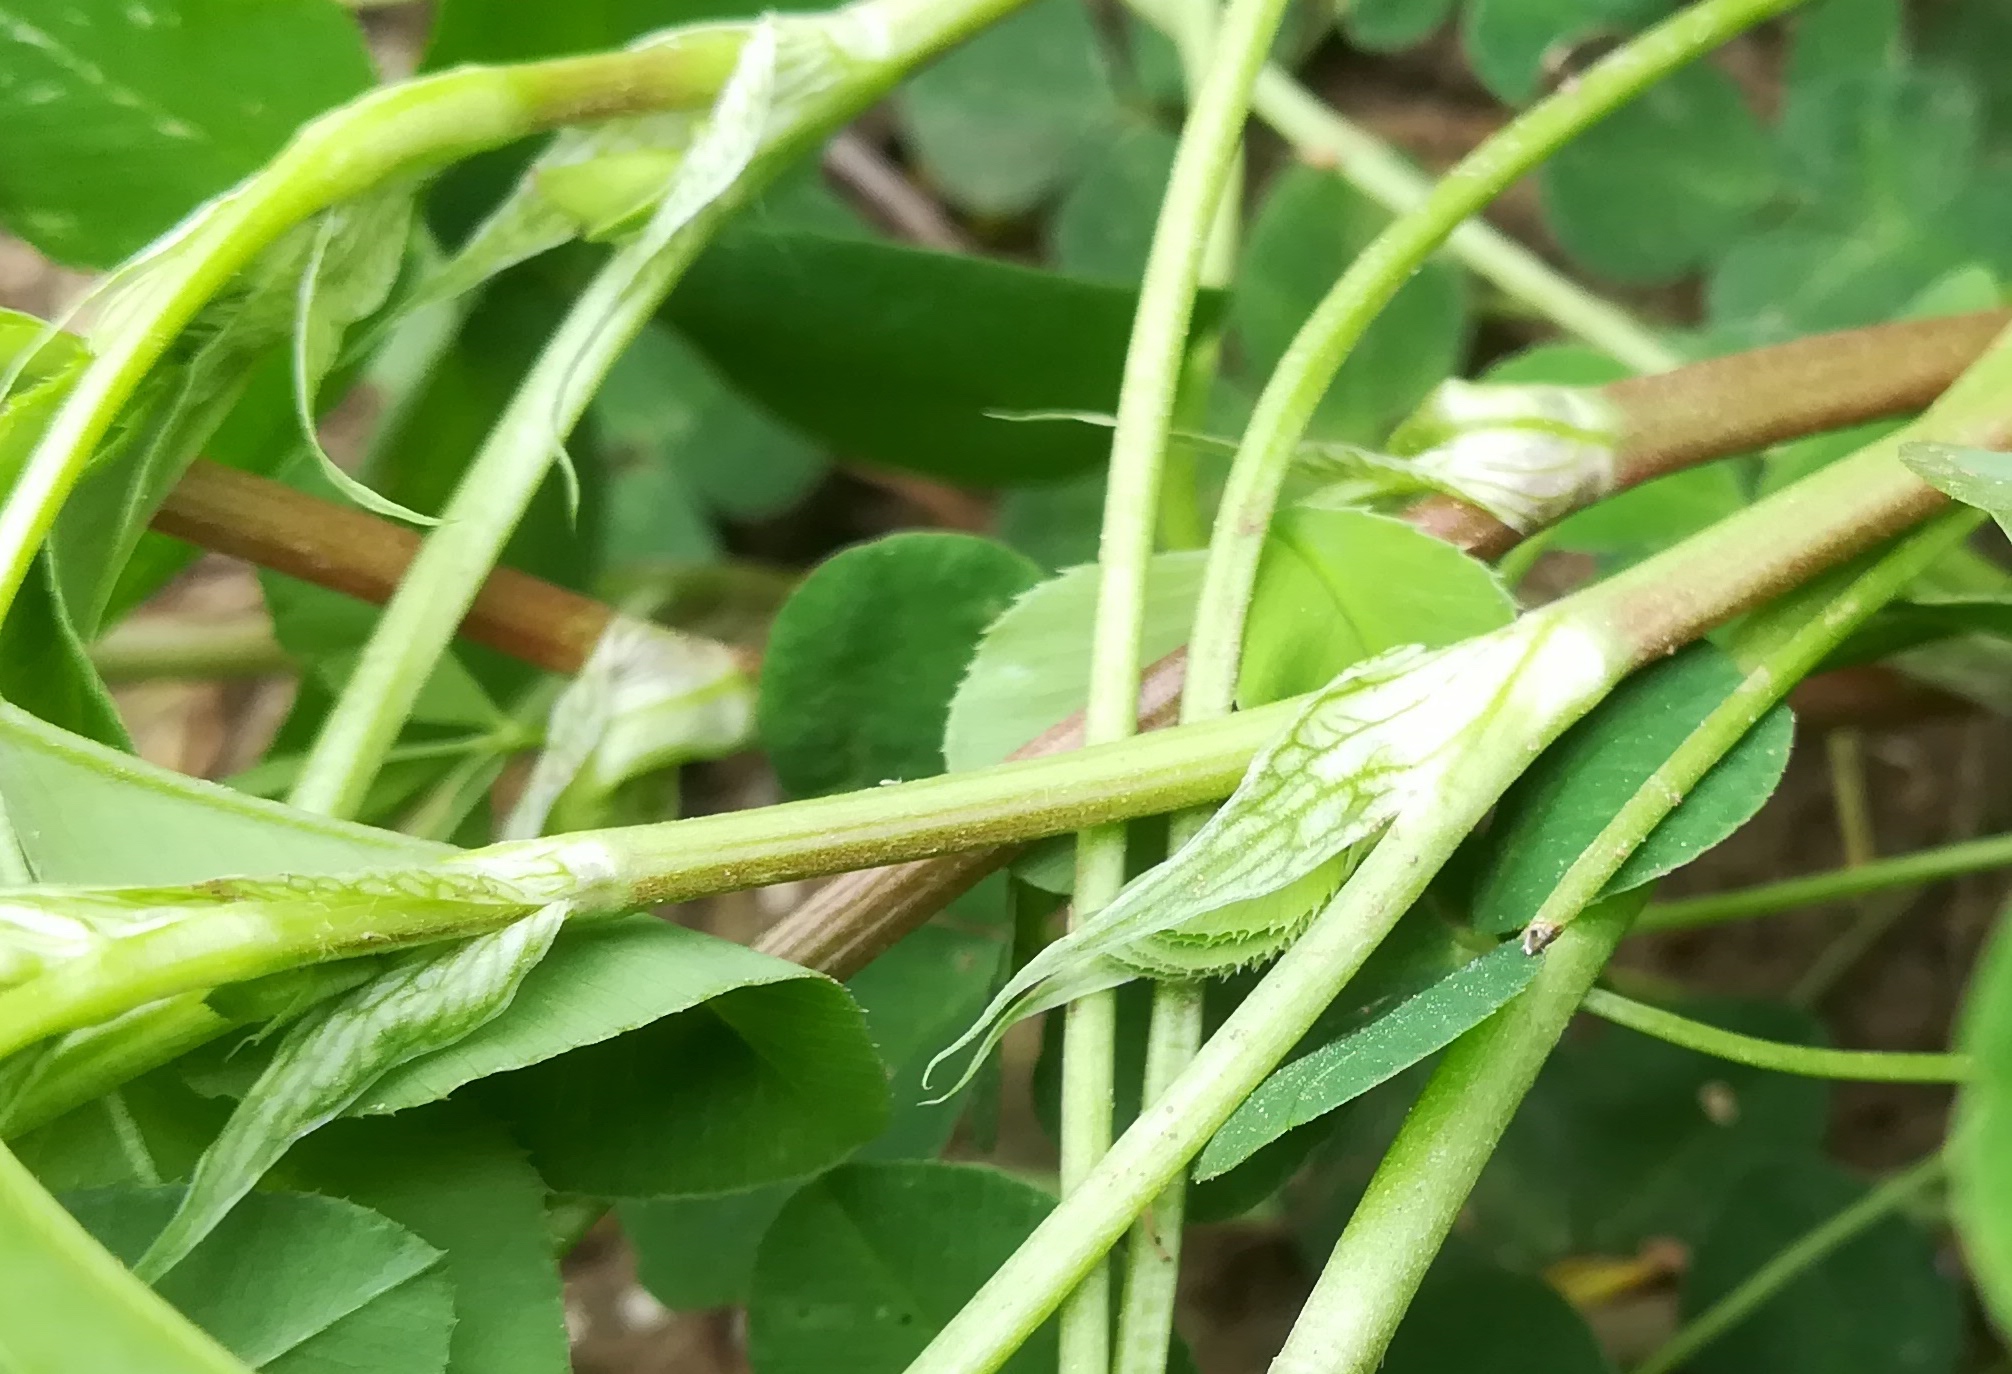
1339,321
1440,1150
1782,1270
1809,1061
108,1318
407,129
420,619
1413,1201
1881,875
1153,1249
1187,224
1323,137
1766,683
150,648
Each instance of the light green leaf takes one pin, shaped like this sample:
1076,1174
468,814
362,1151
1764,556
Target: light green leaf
1006,119
1880,1302
865,656
1563,802
895,355
429,1001
1981,1185
874,1259
1104,225
1309,229
1336,586
1336,1073
1665,183
1031,671
1976,477
167,103
296,1284
455,1180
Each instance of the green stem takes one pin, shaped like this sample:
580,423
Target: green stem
149,648
1153,1250
1807,1252
1322,137
1445,1141
1784,664
1881,875
1188,224
1339,321
67,1304
1809,1061
244,936
409,129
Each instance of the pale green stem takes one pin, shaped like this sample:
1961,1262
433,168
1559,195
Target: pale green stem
1844,751
1425,1177
1153,1249
1881,875
1445,1141
1806,1253
1808,1061
409,129
1339,321
1322,137
68,1305
1188,222
150,648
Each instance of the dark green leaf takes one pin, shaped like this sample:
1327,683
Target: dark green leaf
1392,25
873,1259
1838,38
1005,120
1561,804
166,103
1883,143
1902,625
1104,226
1343,1069
1510,42
1982,1185
1625,1138
865,656
1338,585
87,814
456,1181
896,355
1471,1317
1310,228
1663,184
304,1285
1055,524
1878,1304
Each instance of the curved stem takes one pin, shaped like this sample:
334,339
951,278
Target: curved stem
1807,1252
1445,1141
408,129
1809,1061
1881,875
1338,322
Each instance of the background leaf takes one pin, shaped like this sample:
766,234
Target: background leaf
167,101
895,355
864,657
1308,230
1007,118
1981,1184
1508,41
1104,225
1879,1302
1558,807
873,1259
1471,1317
304,1285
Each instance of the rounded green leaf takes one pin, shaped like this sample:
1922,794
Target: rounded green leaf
304,1285
1983,1139
1392,25
1310,228
1663,184
1877,1304
863,659
1473,1317
1032,670
869,1262
1561,804
1104,225
1004,121
1508,42
1338,585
